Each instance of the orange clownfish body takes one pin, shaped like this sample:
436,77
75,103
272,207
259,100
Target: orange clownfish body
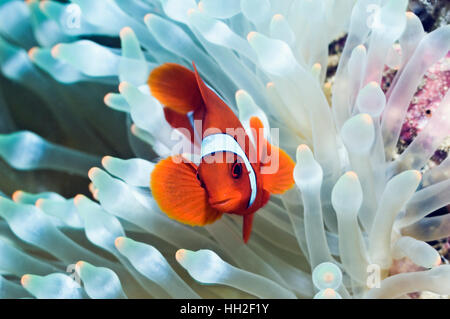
225,181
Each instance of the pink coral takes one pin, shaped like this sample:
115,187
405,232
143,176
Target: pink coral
429,94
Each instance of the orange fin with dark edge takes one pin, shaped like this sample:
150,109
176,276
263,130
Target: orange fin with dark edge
282,177
247,226
179,193
175,87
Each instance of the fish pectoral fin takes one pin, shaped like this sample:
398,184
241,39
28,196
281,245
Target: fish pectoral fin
278,178
175,87
247,226
277,167
179,193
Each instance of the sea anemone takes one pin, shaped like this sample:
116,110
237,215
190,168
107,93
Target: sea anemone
358,204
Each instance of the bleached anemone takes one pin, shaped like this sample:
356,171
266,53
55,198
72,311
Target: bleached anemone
357,203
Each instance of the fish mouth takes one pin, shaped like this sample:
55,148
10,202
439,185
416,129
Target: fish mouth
220,202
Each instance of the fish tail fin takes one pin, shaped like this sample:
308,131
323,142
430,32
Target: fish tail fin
247,226
277,167
175,87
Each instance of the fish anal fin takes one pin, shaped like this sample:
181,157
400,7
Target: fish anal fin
179,193
277,167
247,226
175,87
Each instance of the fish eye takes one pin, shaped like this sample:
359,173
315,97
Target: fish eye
201,182
236,170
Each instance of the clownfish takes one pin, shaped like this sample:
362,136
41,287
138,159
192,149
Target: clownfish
225,181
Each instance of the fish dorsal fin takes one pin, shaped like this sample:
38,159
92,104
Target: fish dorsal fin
179,193
214,105
276,171
176,88
206,93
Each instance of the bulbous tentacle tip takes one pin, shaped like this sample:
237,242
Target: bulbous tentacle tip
180,254
39,203
123,86
366,118
107,98
32,53
25,280
409,14
56,50
416,174
361,47
329,293
119,241
105,160
147,17
317,66
240,93
302,148
201,6
270,85
251,35
374,84
351,175
190,11
302,151
93,172
17,195
133,129
78,198
91,188
328,277
43,5
125,32
277,17
438,261
79,265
